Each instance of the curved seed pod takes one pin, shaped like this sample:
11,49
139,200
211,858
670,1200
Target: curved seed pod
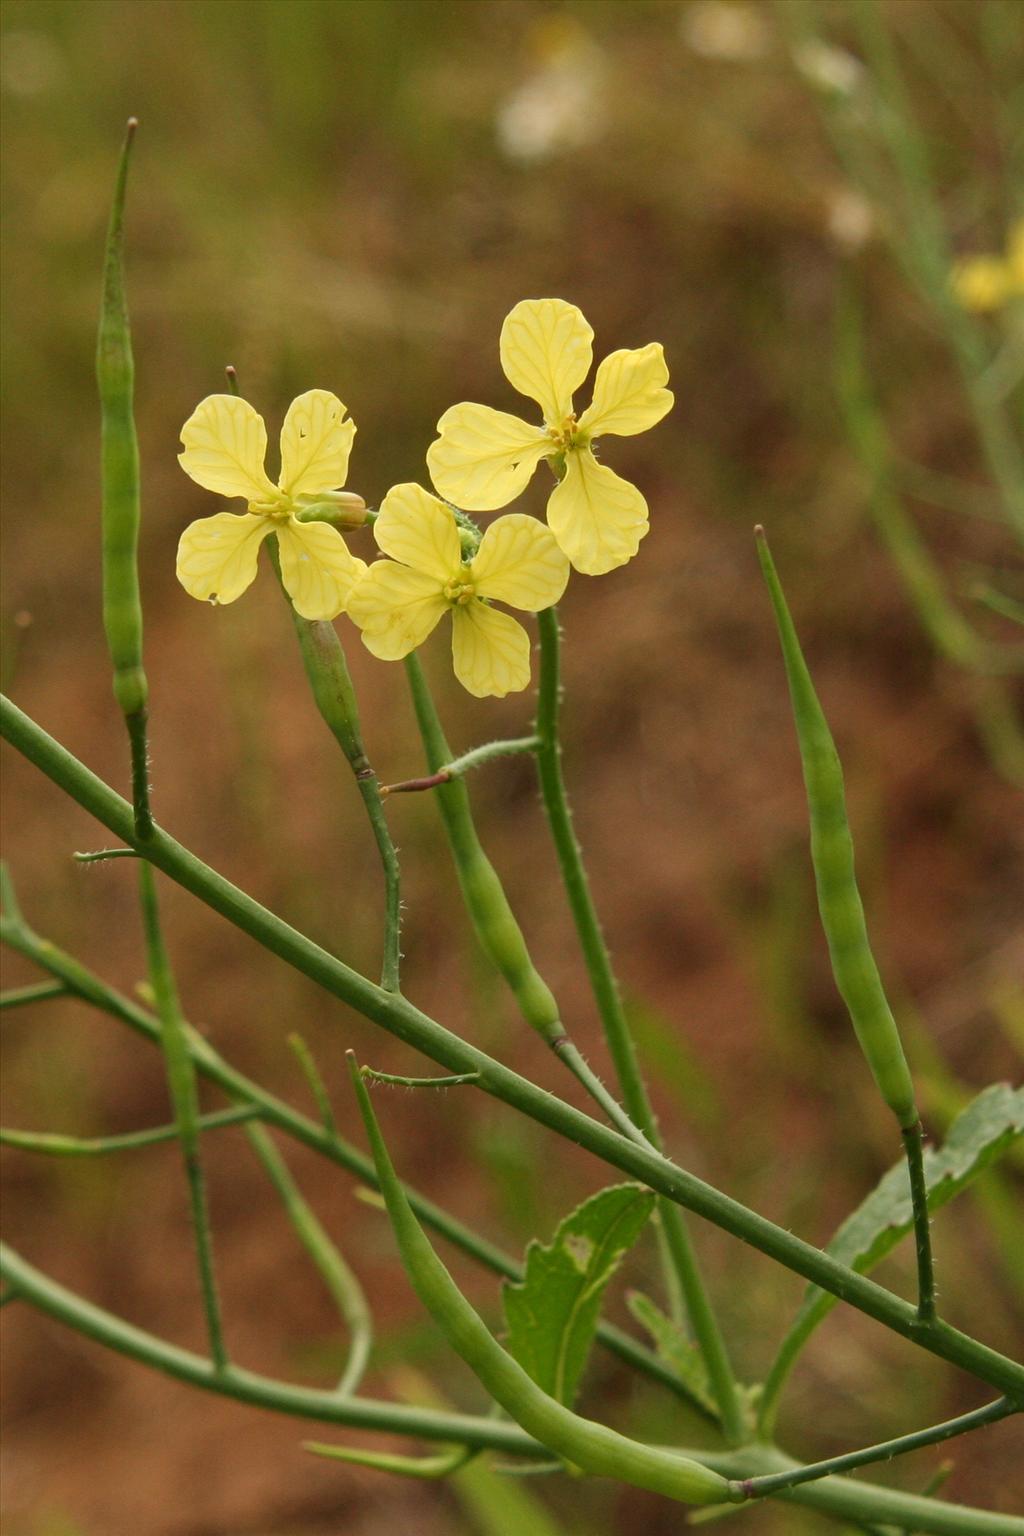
842,913
594,1448
122,606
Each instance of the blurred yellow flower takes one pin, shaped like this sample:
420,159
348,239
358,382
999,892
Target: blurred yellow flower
483,458
986,283
397,605
225,444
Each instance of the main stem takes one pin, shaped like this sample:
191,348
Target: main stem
397,1015
680,1253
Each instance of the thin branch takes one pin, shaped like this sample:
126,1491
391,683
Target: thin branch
54,1145
395,1014
777,1482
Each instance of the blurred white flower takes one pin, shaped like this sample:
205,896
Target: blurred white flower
725,29
557,107
850,219
830,69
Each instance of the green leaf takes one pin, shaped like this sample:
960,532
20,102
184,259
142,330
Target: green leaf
678,1352
553,1312
989,1125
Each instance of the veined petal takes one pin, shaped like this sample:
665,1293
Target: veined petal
315,444
546,350
225,444
491,651
519,562
629,392
597,517
484,458
395,608
217,555
414,527
318,569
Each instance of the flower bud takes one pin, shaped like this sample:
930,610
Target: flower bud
342,509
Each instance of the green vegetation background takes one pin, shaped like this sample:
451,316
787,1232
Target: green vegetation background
337,195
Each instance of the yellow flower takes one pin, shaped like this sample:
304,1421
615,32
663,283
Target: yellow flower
986,283
225,444
397,605
484,458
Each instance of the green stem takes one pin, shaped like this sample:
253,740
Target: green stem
776,1482
331,683
17,997
834,1495
396,1080
681,1258
181,1082
459,766
423,1468
406,1022
53,1145
345,1290
317,1086
86,985
913,1142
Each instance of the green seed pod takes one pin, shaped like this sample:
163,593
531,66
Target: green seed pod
122,606
842,912
495,926
582,1443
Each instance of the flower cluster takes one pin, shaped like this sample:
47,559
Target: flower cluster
482,459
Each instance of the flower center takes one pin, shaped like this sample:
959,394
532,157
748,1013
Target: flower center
459,591
279,510
564,435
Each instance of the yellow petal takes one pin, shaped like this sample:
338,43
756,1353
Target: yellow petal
519,562
629,392
318,569
315,444
491,651
395,608
225,445
217,555
484,458
546,350
414,527
597,517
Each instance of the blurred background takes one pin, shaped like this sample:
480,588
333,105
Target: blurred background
352,196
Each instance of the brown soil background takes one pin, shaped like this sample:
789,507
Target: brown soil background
319,197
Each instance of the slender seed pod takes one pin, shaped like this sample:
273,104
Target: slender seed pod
594,1448
842,912
122,606
494,923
